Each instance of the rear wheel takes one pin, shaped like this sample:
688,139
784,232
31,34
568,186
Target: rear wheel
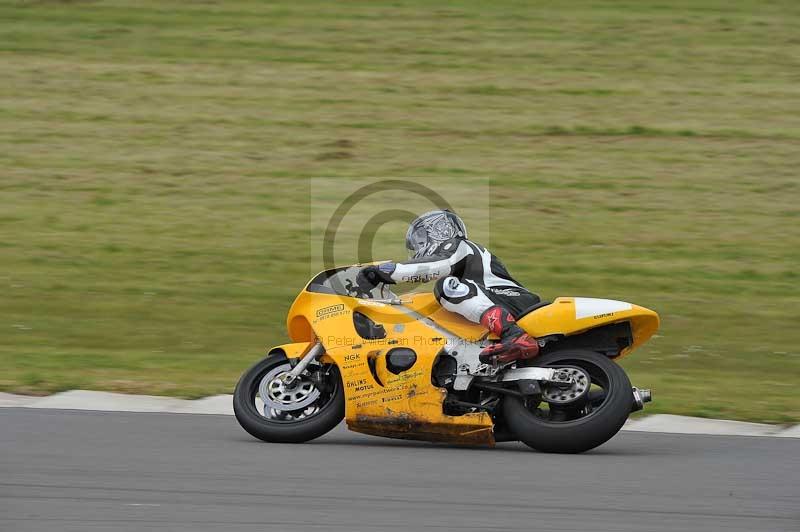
273,411
578,419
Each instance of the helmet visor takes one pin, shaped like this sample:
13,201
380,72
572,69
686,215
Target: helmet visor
417,241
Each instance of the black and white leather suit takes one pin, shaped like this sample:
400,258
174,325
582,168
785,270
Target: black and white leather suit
469,279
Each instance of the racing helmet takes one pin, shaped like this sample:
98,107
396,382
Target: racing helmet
429,230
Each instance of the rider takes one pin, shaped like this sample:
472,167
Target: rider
469,281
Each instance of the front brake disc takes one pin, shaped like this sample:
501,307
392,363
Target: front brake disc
278,395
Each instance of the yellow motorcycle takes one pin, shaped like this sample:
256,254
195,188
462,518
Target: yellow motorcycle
404,367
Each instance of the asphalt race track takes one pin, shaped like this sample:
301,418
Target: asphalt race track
88,471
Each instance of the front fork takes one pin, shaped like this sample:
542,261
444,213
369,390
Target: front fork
316,350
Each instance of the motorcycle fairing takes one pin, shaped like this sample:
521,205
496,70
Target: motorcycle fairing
377,401
407,404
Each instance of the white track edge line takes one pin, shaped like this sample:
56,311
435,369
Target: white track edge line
222,405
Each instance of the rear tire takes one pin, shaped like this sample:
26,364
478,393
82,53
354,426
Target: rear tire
578,435
297,431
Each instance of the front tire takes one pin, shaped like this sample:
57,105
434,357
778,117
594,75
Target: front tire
584,429
286,427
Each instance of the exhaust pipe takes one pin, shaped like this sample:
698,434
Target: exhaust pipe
640,397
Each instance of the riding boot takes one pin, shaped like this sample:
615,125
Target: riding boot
514,344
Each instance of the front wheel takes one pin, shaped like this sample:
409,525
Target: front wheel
273,411
573,422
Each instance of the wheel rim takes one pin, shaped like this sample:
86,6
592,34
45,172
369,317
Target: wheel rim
590,396
277,394
279,402
581,383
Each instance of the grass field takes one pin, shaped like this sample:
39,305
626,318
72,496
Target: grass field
155,161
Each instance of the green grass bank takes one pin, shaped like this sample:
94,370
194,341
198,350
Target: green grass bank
155,161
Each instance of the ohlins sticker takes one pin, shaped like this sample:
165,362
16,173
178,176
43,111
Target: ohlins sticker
329,312
360,385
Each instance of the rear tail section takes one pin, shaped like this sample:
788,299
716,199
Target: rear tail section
571,316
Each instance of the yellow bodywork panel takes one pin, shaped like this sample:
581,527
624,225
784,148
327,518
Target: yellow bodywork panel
293,350
298,349
406,405
574,315
425,303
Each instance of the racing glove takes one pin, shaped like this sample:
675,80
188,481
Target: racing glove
371,276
